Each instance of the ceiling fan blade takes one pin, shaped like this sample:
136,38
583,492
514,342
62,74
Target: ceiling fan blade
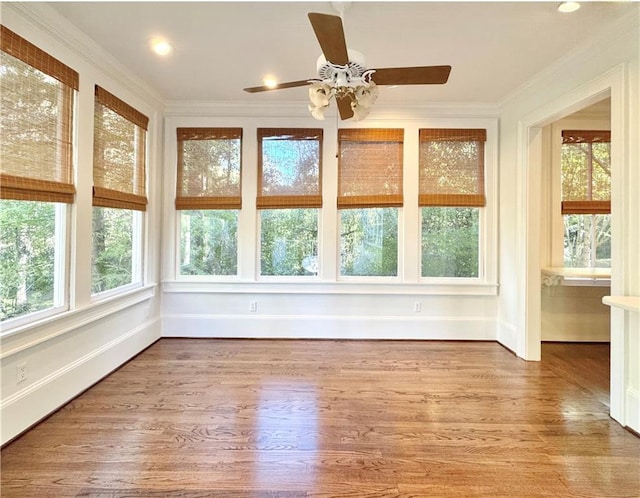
426,75
330,35
279,86
344,107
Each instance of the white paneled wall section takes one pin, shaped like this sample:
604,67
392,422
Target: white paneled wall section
65,354
330,306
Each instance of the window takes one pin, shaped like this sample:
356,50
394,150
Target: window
119,196
208,196
451,183
369,195
586,198
36,118
289,198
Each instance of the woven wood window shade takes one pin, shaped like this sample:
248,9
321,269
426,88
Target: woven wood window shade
586,172
451,165
118,153
209,168
370,168
289,168
36,110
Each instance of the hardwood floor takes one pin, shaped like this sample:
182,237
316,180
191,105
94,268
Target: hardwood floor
261,418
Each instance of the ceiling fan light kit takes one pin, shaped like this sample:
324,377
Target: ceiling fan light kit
344,77
351,81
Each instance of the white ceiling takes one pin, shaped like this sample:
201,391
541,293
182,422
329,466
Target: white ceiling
222,47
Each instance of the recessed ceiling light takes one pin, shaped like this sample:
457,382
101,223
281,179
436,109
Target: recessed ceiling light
567,7
270,82
161,46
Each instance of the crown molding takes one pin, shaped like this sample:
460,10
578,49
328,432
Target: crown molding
298,109
46,18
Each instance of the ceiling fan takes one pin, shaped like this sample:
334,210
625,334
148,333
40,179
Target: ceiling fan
342,74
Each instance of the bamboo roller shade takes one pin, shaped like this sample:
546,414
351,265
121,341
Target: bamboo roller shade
586,205
118,153
451,167
203,181
37,168
585,136
370,165
16,46
289,168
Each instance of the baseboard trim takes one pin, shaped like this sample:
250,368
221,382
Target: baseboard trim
506,335
27,407
632,411
328,327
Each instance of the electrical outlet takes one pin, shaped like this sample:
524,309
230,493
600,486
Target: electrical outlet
417,306
253,306
21,370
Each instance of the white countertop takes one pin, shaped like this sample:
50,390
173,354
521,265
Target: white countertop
557,275
628,303
578,272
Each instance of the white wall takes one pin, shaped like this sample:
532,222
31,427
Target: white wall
329,306
67,353
605,65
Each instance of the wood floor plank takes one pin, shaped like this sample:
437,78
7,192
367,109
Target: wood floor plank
276,418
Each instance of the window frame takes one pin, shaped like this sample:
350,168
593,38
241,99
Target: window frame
61,274
191,203
135,202
585,207
281,202
396,200
61,192
408,280
483,198
554,238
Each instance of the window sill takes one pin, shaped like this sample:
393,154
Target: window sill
33,333
437,289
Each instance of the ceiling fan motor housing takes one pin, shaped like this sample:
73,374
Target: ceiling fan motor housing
353,74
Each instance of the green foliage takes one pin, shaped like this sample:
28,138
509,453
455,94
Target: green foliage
112,238
587,240
27,257
450,242
208,242
369,242
289,241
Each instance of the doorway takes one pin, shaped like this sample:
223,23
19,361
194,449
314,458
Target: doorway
575,248
531,138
